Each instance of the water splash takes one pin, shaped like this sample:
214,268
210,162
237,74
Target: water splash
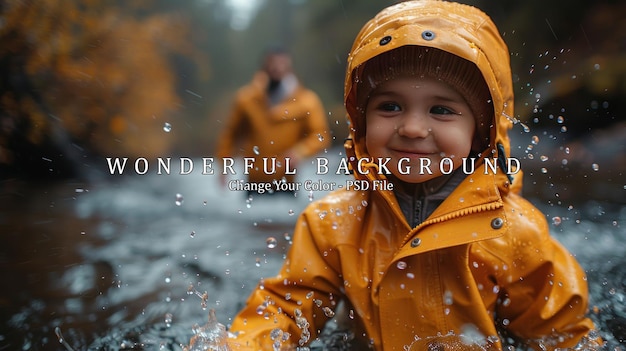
210,337
516,121
303,324
279,337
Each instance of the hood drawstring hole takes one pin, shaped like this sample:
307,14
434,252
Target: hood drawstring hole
428,35
385,40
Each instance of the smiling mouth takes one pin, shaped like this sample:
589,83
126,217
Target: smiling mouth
413,154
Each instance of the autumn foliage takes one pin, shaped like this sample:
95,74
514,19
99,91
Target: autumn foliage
87,75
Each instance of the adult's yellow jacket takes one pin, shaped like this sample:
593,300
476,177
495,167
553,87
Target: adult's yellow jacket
295,126
480,269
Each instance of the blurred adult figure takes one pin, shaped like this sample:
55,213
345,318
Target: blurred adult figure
275,117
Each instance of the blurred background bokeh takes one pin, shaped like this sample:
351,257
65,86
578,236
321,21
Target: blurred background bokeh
108,259
85,80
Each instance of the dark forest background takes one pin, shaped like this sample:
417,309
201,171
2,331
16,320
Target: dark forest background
81,80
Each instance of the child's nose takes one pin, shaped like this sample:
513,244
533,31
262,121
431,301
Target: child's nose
414,126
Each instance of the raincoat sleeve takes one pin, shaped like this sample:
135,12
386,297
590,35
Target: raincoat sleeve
234,130
544,290
296,301
317,135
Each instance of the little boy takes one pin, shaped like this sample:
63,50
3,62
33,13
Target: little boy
448,259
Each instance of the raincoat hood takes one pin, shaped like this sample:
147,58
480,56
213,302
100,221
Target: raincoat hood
458,29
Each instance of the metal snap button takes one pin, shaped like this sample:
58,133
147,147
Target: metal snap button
428,35
416,242
497,223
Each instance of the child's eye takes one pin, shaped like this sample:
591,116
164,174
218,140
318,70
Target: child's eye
442,110
389,107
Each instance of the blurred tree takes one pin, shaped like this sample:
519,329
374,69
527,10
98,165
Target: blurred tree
86,76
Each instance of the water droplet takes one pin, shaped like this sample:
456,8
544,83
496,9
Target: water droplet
271,242
179,199
320,137
447,298
544,170
563,129
276,334
556,221
168,319
560,119
595,167
167,127
543,158
255,149
291,212
328,312
192,234
401,265
534,140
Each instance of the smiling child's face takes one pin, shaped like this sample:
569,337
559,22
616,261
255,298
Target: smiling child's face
418,117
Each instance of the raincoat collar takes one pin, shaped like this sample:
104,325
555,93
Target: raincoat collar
419,200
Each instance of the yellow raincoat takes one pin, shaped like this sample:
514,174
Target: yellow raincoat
481,266
295,126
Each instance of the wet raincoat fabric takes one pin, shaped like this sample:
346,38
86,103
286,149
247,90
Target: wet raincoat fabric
258,129
479,269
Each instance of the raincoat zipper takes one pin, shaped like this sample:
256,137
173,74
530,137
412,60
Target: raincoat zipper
459,213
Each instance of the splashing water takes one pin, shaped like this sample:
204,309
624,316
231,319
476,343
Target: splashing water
210,337
136,229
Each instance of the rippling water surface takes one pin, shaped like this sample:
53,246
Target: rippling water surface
135,262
